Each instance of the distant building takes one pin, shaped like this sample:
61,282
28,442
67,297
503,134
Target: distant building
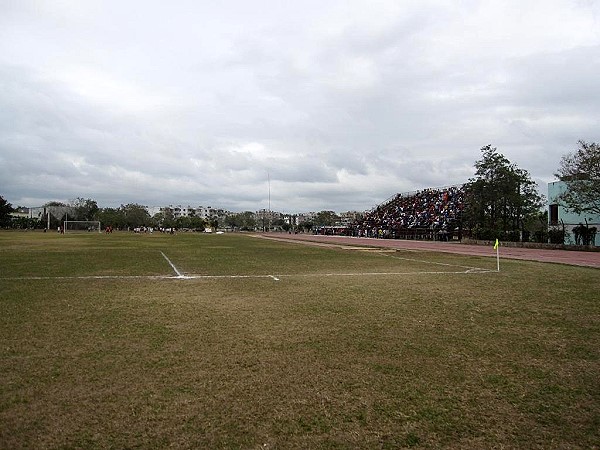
177,211
306,217
210,213
266,218
20,213
349,217
559,216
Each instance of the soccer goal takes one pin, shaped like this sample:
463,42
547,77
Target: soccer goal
82,225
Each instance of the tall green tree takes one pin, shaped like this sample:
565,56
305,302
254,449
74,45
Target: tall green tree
85,208
213,223
306,225
26,223
112,217
326,218
5,210
190,222
135,215
245,221
164,218
580,171
500,198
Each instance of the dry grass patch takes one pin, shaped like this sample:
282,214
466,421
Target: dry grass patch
425,361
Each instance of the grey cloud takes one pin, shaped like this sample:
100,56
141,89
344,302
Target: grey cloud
567,79
341,105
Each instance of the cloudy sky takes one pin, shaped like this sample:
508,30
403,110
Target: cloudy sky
332,104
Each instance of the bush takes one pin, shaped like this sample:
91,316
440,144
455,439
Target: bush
556,235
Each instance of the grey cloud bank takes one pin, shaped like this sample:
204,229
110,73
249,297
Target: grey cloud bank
339,104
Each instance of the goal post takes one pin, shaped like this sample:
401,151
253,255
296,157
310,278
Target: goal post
82,225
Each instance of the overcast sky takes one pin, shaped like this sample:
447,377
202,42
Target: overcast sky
340,104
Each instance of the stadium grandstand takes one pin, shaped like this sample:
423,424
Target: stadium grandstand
429,214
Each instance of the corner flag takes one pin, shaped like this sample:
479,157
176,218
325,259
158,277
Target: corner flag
497,255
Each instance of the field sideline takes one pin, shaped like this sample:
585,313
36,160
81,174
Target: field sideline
231,341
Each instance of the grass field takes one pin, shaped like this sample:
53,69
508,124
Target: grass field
264,344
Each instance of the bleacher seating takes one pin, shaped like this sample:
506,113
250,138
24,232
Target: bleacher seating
432,214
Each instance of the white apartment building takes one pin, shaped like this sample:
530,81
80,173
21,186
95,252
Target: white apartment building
177,211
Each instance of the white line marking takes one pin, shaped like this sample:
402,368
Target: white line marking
361,274
470,268
94,277
342,274
179,274
273,277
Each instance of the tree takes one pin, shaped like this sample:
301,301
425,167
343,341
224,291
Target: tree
5,210
326,218
306,225
190,223
24,223
135,215
247,221
279,224
197,223
213,223
164,218
500,199
111,217
580,171
85,209
244,221
55,203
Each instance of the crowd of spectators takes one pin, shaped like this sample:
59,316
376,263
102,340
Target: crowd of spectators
427,214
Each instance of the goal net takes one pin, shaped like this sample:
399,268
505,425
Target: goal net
82,225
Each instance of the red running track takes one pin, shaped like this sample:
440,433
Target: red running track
574,258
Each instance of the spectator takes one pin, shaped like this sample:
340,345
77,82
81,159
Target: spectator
427,214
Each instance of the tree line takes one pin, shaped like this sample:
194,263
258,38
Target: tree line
134,215
501,201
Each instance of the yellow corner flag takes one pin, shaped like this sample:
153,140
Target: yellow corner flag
497,255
